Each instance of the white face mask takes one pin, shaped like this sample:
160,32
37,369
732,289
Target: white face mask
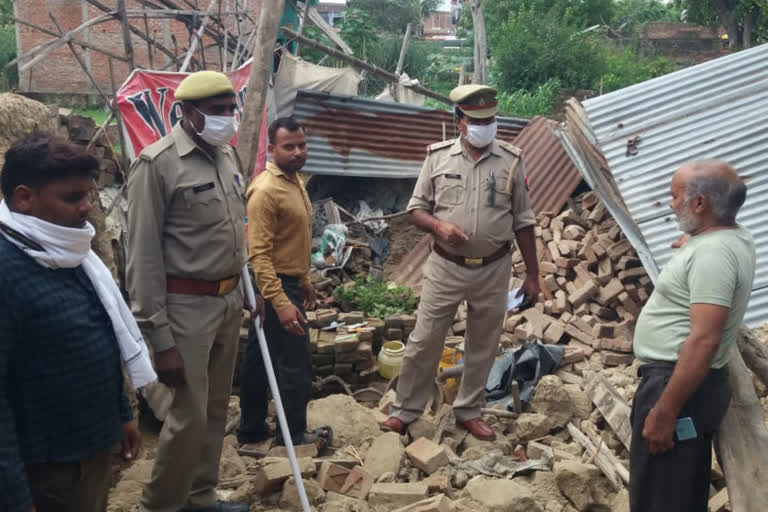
481,135
218,130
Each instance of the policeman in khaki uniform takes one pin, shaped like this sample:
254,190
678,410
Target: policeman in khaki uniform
472,196
186,212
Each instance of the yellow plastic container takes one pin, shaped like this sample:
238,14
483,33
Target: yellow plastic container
390,358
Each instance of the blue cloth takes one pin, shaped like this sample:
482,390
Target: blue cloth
61,383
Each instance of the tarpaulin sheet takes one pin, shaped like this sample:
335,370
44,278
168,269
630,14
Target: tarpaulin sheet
526,365
295,74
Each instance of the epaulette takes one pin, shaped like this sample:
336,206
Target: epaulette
439,145
509,147
151,152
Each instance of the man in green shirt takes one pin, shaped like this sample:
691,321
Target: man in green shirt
683,339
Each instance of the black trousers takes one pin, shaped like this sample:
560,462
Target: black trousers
676,481
292,360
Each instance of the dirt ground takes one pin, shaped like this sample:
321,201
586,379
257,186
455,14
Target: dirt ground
403,237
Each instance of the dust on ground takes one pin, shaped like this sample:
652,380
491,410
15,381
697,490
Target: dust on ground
403,237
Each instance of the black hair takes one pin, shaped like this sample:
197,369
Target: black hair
289,123
37,160
458,113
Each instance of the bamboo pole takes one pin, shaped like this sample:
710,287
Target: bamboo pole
354,61
80,61
123,160
403,51
126,33
258,82
302,24
136,31
150,53
63,39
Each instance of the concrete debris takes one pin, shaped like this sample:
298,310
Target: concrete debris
583,485
528,427
501,496
552,400
396,495
426,455
289,499
385,455
351,422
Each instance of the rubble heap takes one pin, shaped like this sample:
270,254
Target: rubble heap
593,286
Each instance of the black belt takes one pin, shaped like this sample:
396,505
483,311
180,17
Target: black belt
668,367
472,262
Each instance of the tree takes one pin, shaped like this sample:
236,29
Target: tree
393,16
630,14
744,20
480,75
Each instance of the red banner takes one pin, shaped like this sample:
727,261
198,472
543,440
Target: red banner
149,108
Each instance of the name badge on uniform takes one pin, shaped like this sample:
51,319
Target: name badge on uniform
203,188
237,179
453,176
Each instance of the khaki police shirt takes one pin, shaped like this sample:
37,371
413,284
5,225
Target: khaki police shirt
186,219
454,188
279,232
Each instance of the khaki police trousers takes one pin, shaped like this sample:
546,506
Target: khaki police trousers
206,331
445,286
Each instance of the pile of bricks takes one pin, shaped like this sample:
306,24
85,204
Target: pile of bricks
349,350
592,285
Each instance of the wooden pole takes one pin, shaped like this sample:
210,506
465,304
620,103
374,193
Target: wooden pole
354,61
126,34
62,40
481,46
136,31
123,160
302,24
755,354
81,61
403,51
742,442
258,82
150,53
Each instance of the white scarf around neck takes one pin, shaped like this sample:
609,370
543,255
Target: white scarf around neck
69,248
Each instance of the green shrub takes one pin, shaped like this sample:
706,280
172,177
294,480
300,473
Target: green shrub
377,298
523,103
624,68
9,78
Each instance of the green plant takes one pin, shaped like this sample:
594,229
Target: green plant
523,103
624,68
99,115
377,298
532,48
9,78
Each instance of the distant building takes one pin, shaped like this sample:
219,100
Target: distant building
332,11
443,21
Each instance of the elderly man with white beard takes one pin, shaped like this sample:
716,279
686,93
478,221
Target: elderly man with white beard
683,339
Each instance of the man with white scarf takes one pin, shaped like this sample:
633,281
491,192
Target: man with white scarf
64,329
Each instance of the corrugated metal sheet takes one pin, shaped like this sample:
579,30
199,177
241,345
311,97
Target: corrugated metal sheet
350,136
552,177
714,110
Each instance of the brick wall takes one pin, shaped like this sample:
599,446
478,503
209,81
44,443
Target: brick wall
59,72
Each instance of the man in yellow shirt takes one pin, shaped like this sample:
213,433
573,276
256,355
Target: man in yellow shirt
279,245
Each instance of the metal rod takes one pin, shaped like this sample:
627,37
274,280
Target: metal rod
196,40
251,296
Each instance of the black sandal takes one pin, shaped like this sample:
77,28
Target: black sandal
321,438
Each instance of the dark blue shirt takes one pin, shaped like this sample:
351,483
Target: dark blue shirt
61,384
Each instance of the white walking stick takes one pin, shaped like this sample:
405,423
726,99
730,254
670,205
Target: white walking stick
251,297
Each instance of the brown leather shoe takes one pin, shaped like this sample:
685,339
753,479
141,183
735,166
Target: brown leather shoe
478,428
393,425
